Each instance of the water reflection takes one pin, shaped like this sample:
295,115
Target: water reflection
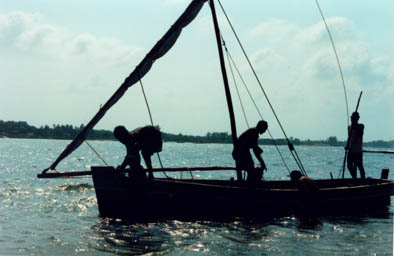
137,239
173,237
273,236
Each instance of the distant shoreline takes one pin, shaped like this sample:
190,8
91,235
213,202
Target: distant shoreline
21,129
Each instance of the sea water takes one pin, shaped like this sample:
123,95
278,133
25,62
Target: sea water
60,216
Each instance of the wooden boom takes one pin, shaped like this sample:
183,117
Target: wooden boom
174,169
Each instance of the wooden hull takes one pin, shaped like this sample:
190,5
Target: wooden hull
118,197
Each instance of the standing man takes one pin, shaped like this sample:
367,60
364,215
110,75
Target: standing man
355,147
146,139
241,153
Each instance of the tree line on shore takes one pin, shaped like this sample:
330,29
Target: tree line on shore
21,129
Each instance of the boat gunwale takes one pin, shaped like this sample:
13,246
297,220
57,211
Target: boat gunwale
259,187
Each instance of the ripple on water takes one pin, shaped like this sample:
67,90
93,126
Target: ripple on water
83,187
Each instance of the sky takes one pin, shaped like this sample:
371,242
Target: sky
60,60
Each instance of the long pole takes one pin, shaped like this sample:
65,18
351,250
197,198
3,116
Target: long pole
379,151
337,57
225,80
348,139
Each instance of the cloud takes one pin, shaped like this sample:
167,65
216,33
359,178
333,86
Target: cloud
310,46
29,33
274,29
342,29
357,64
267,58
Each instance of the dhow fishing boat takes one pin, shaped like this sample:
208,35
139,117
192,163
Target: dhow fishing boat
119,196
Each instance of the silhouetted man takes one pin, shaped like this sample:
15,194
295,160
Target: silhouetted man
146,139
355,147
241,154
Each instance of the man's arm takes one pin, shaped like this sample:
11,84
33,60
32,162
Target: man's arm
148,163
257,152
124,163
361,129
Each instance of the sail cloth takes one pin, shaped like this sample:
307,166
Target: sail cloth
160,49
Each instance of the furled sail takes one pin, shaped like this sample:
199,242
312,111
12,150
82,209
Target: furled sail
160,49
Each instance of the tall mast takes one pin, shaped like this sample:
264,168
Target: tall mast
224,74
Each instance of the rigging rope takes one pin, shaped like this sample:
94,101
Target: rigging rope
151,121
290,145
235,83
99,156
102,159
337,58
146,102
252,99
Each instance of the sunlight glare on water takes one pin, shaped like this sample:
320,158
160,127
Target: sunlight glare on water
60,216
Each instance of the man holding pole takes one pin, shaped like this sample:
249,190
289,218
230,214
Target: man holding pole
355,147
